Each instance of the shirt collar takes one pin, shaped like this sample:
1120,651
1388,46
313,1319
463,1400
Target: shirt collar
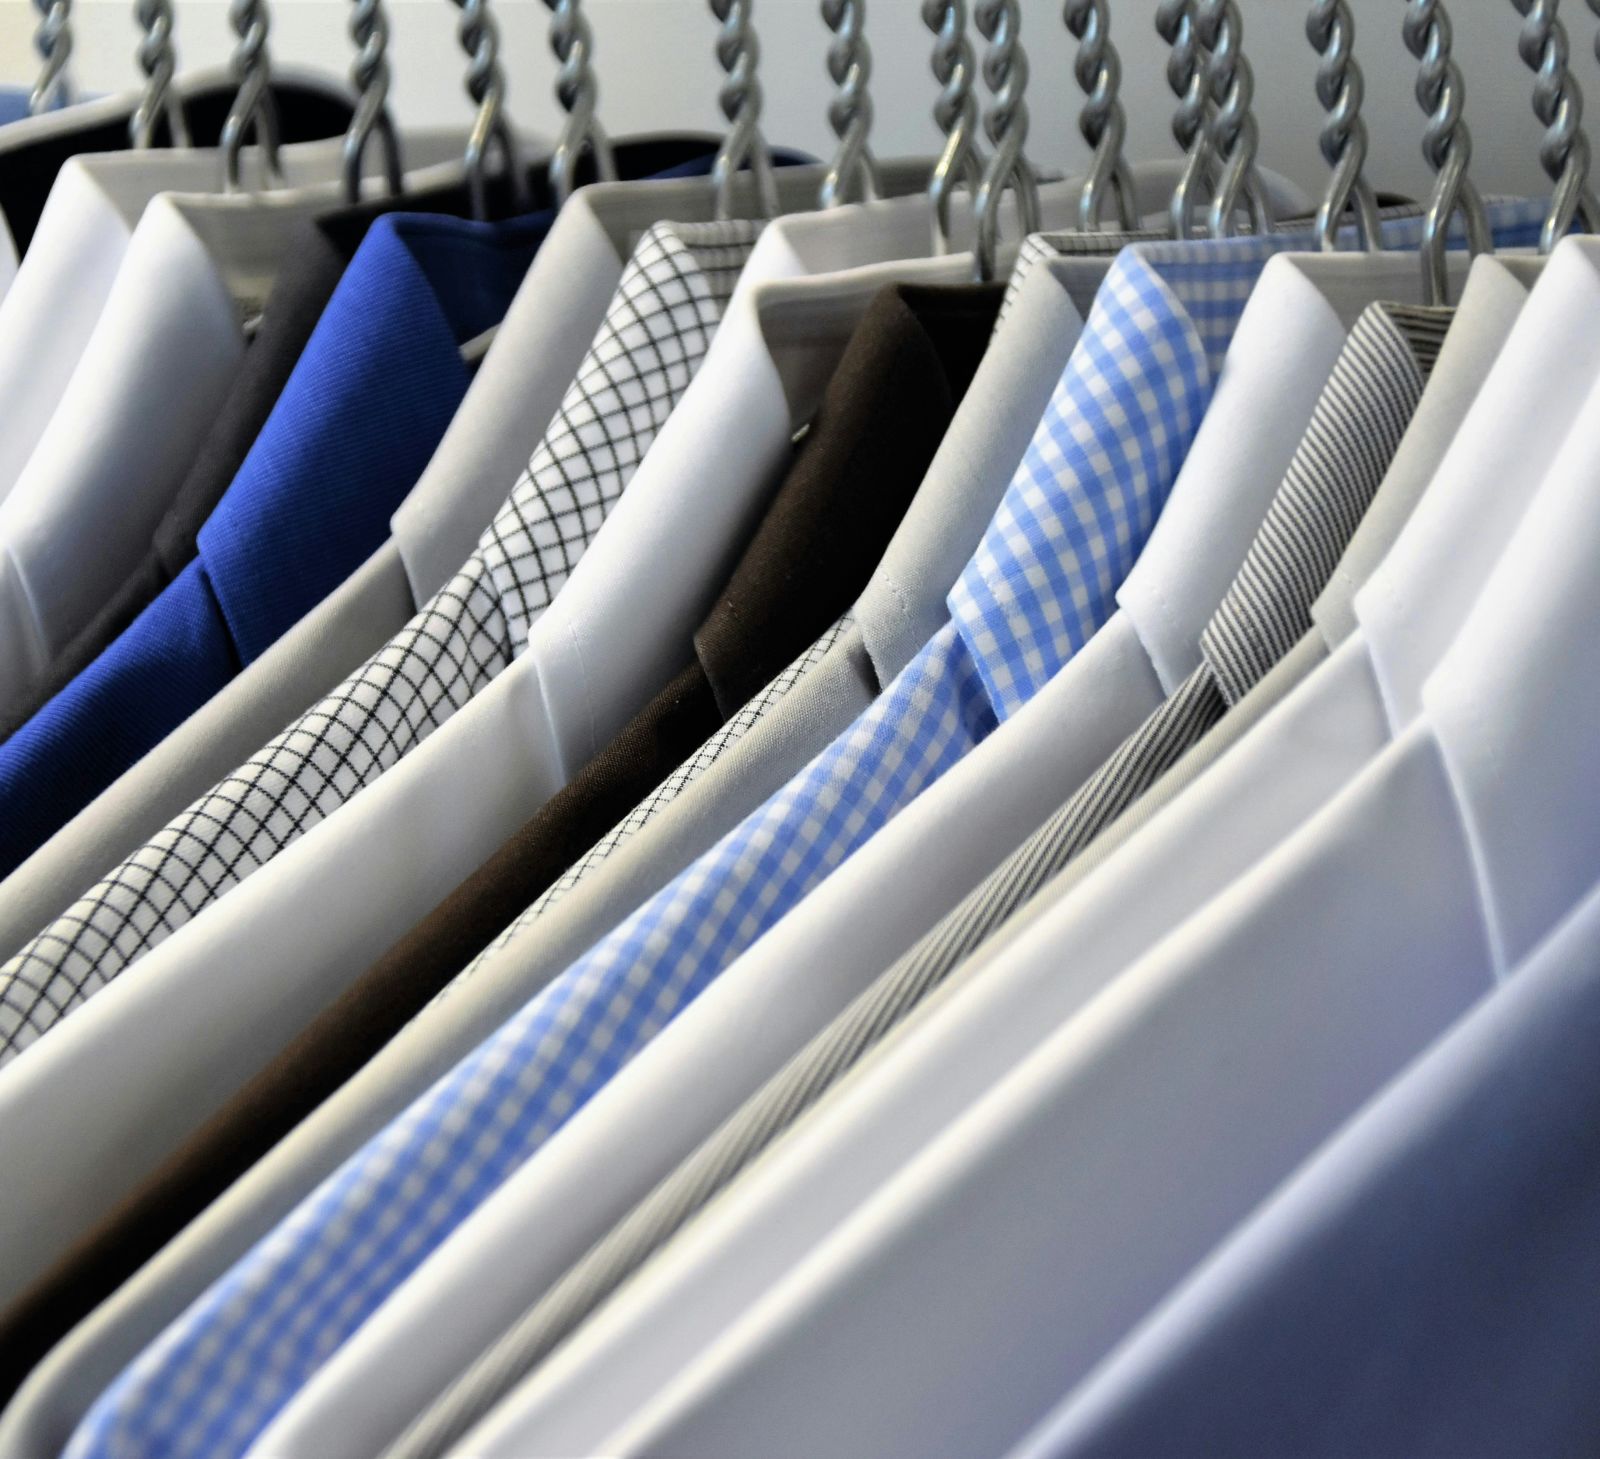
1119,424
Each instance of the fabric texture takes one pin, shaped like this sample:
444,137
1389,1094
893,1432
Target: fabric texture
657,330
314,263
861,461
1074,518
1358,424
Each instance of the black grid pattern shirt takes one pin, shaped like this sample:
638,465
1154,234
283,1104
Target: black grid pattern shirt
657,329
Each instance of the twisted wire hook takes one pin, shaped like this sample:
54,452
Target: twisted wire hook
1558,103
479,35
253,106
578,91
739,53
1005,72
1341,88
158,59
955,112
369,74
1235,136
1102,121
53,41
1186,75
1446,143
852,173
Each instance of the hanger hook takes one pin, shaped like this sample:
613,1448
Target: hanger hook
1102,121
369,73
158,59
1341,88
1558,103
739,53
578,91
1235,137
1446,143
1186,75
53,41
852,175
486,85
955,67
253,105
1005,72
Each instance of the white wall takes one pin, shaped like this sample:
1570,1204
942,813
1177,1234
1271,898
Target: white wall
657,69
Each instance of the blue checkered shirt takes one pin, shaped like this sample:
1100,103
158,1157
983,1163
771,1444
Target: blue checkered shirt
1073,520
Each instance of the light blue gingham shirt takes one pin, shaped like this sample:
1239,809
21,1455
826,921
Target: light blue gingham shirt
1072,522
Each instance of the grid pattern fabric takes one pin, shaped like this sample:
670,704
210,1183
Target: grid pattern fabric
656,331
1353,435
750,714
1109,446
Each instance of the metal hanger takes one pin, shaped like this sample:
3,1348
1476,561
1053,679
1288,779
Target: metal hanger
1103,122
739,53
486,85
1558,103
1005,72
53,41
158,59
1446,143
1235,136
956,112
253,106
1331,29
1186,75
369,74
852,175
578,91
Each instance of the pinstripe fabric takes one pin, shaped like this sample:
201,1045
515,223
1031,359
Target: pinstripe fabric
1354,432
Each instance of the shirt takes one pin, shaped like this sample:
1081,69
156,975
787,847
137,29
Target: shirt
862,457
664,310
1147,1126
1353,434
317,256
1026,602
1420,1286
366,405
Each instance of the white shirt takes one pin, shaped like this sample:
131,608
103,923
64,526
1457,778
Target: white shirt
1300,756
1056,1211
704,1063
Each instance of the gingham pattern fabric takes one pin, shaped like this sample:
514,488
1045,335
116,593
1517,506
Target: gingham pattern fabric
1353,435
656,331
745,720
1102,459
1073,519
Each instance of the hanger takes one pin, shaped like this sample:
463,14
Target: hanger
1341,88
578,91
369,74
253,105
1005,72
852,175
158,59
1558,103
739,53
486,85
1446,143
1102,121
53,41
956,112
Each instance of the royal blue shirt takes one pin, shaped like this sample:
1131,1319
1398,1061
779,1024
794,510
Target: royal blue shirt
379,380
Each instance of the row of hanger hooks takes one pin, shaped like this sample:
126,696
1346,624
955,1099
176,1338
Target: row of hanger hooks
1207,69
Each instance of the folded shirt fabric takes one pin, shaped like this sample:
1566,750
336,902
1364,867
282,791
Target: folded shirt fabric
366,404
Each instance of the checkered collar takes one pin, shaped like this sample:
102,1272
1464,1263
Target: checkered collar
1117,429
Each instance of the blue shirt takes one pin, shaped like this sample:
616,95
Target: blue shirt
1074,518
379,380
